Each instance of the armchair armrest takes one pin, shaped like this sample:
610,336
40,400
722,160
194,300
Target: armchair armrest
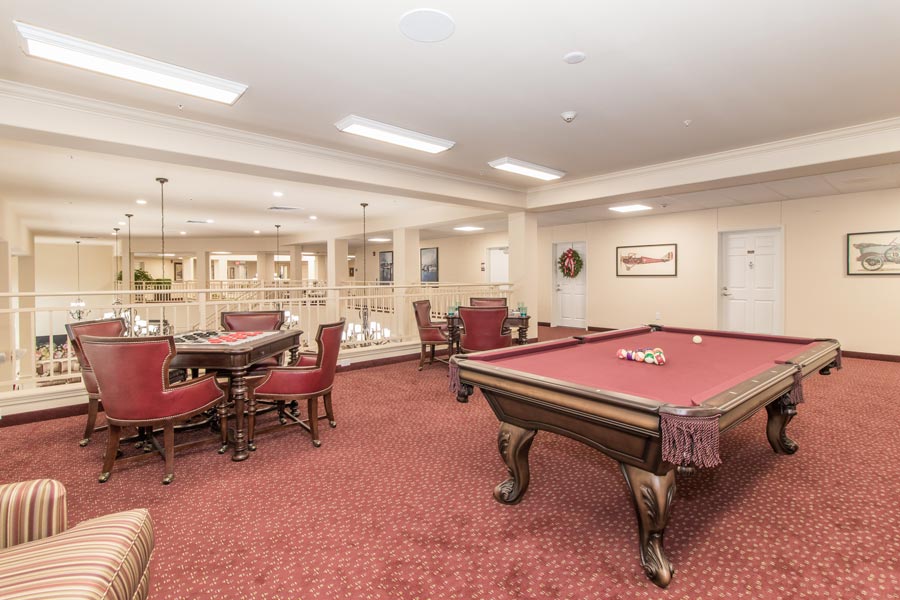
31,510
432,333
306,359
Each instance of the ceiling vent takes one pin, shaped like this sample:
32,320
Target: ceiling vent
197,221
282,208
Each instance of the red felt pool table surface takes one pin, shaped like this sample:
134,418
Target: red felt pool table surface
692,373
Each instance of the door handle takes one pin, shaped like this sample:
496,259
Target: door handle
725,294
558,289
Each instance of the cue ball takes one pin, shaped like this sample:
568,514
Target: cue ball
697,339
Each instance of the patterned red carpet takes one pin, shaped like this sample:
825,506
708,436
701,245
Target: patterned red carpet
397,504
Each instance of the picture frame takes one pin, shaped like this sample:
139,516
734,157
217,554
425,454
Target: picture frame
647,260
386,265
428,265
873,253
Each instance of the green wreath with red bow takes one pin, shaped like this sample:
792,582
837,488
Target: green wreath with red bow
570,263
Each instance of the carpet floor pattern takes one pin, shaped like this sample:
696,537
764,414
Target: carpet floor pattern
397,503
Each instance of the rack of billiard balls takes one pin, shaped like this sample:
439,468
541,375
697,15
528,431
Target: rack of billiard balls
651,356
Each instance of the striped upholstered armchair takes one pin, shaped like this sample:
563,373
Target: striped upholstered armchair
107,558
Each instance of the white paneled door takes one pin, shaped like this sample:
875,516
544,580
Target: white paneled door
751,284
570,296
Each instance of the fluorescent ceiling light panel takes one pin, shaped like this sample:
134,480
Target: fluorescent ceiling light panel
630,208
75,52
393,135
219,252
468,228
514,165
379,239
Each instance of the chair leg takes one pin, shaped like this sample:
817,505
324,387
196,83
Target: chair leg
251,422
431,360
169,447
328,412
422,358
93,409
112,447
222,412
313,406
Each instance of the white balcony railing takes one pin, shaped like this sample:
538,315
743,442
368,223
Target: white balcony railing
32,325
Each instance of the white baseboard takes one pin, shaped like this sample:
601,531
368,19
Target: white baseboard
42,398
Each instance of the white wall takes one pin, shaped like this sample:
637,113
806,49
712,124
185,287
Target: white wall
820,299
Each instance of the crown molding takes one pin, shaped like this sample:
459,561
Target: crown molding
29,93
816,145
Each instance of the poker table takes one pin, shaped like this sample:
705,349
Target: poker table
655,420
232,354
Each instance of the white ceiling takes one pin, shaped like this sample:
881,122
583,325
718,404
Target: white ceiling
57,190
743,73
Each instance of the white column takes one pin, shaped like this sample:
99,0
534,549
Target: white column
26,323
201,269
265,266
336,261
188,268
296,262
406,271
7,331
523,262
406,256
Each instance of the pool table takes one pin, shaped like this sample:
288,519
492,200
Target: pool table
655,420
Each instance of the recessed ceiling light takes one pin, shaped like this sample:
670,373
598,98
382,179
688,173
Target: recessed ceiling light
313,217
75,52
162,255
514,165
393,135
256,231
575,57
351,256
210,221
140,201
220,252
278,194
468,228
630,208
308,253
380,240
182,233
121,222
427,25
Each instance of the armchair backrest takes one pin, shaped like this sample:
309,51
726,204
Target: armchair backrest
422,309
101,327
132,373
253,320
483,328
499,301
328,339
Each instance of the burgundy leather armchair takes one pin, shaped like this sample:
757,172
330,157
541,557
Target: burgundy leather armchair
307,381
133,379
431,334
104,328
483,328
497,301
255,320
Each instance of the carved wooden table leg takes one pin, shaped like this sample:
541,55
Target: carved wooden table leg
465,390
780,414
514,443
453,335
523,334
295,353
239,393
652,496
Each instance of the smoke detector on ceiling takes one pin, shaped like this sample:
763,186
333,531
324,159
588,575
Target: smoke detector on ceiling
568,116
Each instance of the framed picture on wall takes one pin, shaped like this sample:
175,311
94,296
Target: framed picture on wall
179,271
873,253
428,264
651,260
386,266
